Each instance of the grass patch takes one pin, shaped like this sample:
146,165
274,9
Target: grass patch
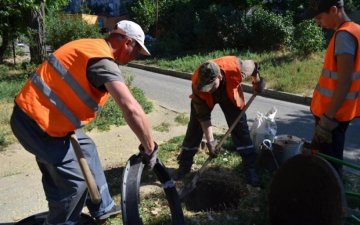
182,119
163,127
283,71
6,135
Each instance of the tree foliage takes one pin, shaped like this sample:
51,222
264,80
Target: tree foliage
12,22
197,25
16,18
62,28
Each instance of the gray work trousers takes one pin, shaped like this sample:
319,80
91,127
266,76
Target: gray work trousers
62,179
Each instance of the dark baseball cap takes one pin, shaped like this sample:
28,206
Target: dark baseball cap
208,72
319,6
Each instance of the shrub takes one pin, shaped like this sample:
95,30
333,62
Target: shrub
308,38
266,30
62,28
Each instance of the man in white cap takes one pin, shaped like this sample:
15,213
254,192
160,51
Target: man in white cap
64,94
214,82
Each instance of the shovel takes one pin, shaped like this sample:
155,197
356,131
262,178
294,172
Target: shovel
189,187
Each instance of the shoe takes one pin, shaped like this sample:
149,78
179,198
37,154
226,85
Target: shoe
249,161
185,160
115,210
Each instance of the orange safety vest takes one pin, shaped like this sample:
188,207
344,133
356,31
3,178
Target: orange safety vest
323,92
58,96
231,69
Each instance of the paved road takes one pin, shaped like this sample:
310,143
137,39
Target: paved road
294,119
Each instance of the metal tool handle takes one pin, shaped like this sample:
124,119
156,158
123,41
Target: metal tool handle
188,188
89,178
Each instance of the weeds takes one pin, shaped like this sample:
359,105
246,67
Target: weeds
182,119
163,127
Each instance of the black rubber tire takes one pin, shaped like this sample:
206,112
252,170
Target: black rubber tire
130,192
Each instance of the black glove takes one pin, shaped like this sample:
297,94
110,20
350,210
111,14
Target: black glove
258,86
323,131
256,69
149,160
211,146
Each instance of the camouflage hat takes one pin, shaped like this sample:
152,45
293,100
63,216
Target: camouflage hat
208,72
319,6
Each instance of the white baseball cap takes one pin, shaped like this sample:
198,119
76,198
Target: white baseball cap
134,31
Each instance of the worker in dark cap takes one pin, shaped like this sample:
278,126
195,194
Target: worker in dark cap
336,98
218,81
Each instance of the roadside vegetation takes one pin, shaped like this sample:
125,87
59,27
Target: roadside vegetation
283,71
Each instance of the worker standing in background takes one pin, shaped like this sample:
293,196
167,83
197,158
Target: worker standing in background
218,81
336,98
64,94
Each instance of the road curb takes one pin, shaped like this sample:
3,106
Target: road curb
284,96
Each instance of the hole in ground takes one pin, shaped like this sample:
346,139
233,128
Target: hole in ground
215,193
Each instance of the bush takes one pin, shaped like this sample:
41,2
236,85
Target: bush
61,28
268,31
308,38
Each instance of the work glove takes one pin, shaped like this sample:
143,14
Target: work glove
323,131
258,86
149,160
211,146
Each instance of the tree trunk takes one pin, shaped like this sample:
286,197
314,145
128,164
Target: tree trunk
4,45
37,34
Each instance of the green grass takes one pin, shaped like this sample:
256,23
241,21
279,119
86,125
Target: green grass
163,127
182,119
283,71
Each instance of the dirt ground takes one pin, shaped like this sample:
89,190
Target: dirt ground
21,194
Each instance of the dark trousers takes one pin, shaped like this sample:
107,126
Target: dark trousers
240,134
62,179
336,148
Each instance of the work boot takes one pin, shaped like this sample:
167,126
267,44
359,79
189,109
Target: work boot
251,176
115,210
185,160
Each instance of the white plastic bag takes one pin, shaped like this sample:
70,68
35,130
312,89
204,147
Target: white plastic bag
264,127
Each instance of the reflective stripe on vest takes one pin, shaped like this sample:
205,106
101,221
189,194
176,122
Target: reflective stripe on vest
327,84
55,100
333,75
59,97
329,93
75,86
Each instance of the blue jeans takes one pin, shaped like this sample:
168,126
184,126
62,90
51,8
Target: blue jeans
62,179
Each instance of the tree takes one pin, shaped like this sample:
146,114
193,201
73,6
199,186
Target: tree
36,28
37,33
26,17
12,21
